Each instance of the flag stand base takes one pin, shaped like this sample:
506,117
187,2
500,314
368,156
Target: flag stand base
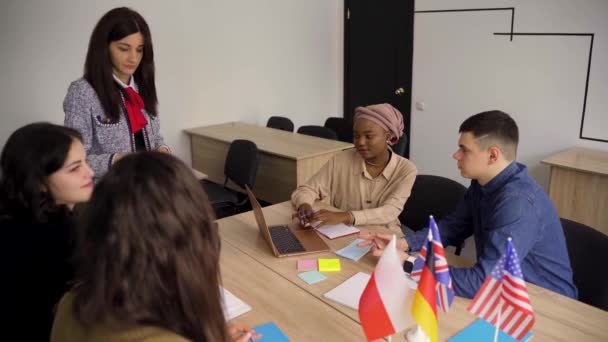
416,335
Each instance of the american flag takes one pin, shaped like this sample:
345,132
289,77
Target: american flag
503,296
445,289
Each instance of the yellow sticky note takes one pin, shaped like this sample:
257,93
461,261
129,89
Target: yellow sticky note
329,265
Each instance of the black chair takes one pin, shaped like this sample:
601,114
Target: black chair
240,167
588,250
280,122
318,131
401,145
431,195
341,127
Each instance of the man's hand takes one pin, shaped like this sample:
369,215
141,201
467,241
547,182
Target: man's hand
379,242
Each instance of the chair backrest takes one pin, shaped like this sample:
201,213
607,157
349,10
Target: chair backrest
318,131
401,145
588,250
241,164
340,126
280,122
431,195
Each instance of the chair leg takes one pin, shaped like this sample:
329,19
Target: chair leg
459,249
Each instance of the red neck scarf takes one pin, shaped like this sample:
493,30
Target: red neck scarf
134,105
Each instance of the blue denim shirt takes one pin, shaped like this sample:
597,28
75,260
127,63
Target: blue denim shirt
511,204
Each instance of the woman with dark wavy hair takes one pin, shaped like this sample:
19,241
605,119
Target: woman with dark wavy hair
114,105
43,175
148,260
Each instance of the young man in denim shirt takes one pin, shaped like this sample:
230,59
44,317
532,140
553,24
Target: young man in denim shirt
502,201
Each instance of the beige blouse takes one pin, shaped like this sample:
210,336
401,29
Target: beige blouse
345,184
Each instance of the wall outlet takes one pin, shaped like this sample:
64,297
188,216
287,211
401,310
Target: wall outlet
420,105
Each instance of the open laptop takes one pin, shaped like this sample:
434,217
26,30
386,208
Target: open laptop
286,240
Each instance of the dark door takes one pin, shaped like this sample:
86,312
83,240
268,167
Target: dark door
378,46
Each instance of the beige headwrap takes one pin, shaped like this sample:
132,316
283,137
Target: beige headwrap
385,115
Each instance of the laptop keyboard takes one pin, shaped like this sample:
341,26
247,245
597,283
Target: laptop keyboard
284,240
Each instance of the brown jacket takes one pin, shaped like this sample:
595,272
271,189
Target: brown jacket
67,329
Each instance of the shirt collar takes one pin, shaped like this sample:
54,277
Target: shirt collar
359,166
123,85
500,179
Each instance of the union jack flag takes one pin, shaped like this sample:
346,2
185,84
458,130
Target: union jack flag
445,289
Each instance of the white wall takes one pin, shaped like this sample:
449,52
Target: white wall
216,60
461,68
223,60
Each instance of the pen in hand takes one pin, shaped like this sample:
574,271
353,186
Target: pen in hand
304,216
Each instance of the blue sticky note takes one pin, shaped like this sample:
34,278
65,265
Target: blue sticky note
312,277
353,252
270,333
482,331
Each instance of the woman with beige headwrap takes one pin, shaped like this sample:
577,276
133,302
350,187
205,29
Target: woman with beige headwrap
368,184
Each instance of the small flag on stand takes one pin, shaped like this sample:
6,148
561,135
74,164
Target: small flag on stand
435,288
503,297
383,306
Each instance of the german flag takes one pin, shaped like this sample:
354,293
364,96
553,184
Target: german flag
424,305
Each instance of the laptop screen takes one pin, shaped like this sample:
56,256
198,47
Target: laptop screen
259,216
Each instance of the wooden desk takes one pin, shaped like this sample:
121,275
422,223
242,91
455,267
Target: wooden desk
274,299
558,318
286,159
579,186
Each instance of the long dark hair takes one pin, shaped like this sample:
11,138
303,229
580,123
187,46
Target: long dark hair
115,25
148,250
31,154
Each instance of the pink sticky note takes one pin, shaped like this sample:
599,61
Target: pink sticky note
307,264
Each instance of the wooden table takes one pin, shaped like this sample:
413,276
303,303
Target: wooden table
274,299
579,186
558,318
286,159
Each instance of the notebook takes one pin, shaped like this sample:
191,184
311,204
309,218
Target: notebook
337,230
482,331
349,292
232,305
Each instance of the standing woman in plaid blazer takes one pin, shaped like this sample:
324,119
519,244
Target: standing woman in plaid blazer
114,105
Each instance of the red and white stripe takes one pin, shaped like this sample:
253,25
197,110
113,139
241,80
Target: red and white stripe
511,298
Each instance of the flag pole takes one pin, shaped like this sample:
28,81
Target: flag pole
499,306
498,321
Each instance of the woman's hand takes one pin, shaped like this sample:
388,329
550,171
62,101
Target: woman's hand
326,217
305,214
239,333
164,149
118,156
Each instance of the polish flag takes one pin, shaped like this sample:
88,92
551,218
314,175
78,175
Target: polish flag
384,306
